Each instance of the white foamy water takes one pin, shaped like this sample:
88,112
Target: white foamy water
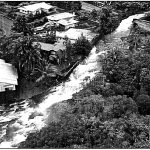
18,130
124,27
62,92
126,23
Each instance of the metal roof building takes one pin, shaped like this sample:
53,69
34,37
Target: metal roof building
74,34
56,47
67,22
34,7
8,76
60,16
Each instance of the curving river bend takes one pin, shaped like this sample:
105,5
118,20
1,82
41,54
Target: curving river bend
16,125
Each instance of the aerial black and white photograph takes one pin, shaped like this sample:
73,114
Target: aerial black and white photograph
75,74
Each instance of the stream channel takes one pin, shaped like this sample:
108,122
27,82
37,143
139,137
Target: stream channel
16,123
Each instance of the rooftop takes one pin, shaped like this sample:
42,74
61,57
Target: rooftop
60,16
57,46
20,14
36,6
74,34
65,22
9,73
47,24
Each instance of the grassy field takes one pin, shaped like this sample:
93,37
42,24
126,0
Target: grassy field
5,24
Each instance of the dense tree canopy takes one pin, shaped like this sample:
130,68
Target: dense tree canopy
68,5
21,53
90,123
20,25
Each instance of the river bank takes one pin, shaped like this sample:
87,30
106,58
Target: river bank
88,120
89,113
84,72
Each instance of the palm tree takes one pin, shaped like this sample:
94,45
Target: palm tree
48,73
23,54
21,25
26,56
54,59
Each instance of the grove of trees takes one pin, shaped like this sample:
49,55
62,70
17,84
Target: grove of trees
73,6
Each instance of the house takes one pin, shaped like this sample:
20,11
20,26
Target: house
53,49
43,27
61,16
66,24
57,46
34,8
73,34
8,76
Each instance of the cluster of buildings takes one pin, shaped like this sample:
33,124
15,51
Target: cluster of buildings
65,20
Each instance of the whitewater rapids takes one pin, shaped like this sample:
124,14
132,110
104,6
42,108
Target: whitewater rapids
23,125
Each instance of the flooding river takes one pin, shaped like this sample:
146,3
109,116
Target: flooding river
17,122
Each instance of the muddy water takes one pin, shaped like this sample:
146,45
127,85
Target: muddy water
20,119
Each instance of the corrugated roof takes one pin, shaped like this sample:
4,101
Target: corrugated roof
74,34
45,25
60,16
65,22
36,6
8,73
57,46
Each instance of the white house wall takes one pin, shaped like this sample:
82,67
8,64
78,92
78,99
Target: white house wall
8,76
